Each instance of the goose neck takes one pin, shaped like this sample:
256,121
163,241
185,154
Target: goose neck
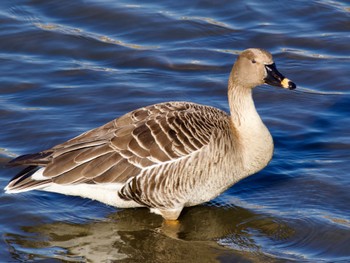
242,107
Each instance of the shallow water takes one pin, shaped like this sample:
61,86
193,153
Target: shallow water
69,66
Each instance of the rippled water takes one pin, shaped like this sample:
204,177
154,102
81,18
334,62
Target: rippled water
69,66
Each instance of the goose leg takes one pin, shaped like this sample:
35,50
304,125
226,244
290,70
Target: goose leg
168,214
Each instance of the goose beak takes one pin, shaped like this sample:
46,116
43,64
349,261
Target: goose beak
275,78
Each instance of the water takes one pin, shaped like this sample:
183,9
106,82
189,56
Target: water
69,66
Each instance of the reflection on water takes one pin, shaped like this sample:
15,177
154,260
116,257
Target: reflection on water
136,234
212,233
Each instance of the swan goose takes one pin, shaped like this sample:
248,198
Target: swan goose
165,156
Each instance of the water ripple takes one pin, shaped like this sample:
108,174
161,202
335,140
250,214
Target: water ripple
69,66
78,32
317,92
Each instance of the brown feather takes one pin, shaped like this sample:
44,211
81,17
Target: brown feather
120,149
101,164
72,176
61,164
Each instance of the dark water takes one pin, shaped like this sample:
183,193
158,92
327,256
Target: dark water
69,66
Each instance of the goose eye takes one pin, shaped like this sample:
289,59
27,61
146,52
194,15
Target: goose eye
253,61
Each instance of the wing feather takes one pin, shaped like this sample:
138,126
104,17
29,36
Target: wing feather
125,148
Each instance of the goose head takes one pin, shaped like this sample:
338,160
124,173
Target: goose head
255,67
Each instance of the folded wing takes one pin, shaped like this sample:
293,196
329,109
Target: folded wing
123,148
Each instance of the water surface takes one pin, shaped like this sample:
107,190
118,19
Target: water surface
70,66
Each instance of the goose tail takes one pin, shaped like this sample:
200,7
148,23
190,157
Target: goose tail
24,180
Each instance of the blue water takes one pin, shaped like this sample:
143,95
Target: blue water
70,66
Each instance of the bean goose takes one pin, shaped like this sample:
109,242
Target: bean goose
165,156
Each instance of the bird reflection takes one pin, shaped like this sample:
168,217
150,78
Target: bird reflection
203,232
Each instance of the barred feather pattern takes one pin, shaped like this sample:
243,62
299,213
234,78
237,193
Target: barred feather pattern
154,151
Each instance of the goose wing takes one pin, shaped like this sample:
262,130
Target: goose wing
124,147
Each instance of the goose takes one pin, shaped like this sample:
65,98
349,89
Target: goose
165,156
